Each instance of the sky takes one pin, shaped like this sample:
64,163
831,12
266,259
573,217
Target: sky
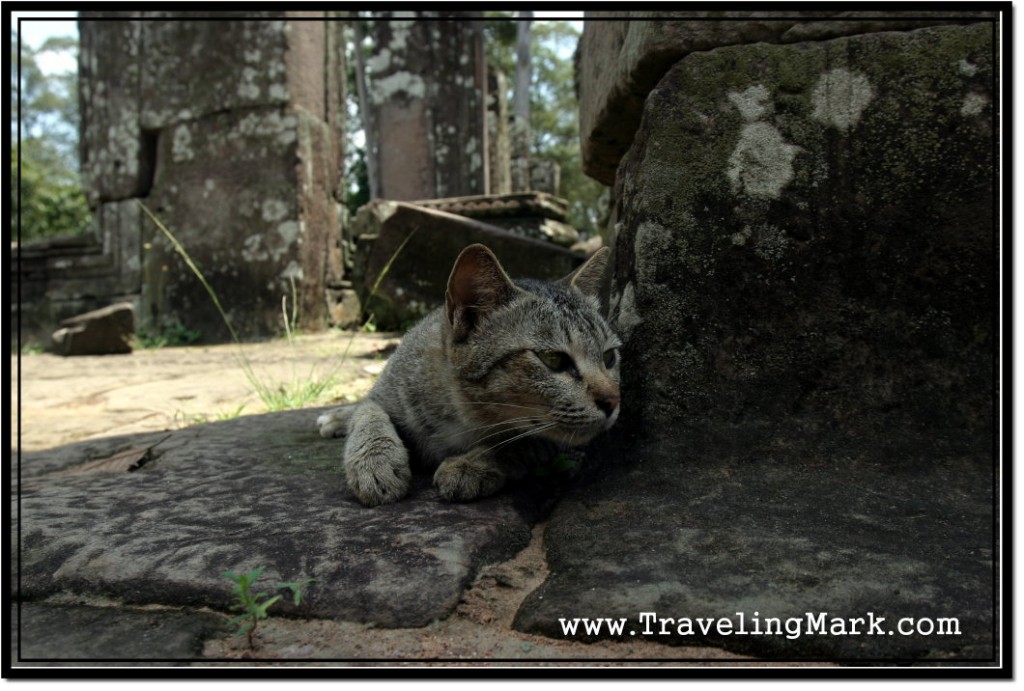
34,33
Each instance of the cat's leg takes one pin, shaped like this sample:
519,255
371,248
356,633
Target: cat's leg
475,474
334,423
376,460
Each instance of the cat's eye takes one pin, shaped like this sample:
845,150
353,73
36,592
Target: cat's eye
555,360
610,358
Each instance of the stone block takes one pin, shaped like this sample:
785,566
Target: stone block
806,284
229,189
106,331
545,176
622,60
247,70
429,242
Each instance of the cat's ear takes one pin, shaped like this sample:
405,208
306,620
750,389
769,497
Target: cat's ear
476,286
588,278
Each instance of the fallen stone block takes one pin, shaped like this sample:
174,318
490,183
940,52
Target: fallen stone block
537,215
106,331
406,252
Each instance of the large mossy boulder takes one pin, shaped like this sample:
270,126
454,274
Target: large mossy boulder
805,281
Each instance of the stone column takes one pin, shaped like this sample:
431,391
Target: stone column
426,99
230,131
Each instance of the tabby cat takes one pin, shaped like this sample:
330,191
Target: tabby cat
504,375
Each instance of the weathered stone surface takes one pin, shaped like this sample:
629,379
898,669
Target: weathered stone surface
538,215
488,207
254,491
545,176
621,61
805,281
417,277
754,531
546,229
106,331
265,118
247,70
425,101
115,160
244,224
70,633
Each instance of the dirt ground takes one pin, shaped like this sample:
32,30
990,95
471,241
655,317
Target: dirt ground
63,400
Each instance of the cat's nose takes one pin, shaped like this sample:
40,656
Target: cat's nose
607,403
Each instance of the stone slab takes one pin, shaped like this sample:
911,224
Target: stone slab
765,535
254,491
49,633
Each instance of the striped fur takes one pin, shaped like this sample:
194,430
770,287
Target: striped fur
468,390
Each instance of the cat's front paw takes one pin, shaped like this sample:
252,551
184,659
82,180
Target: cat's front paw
467,477
378,476
334,423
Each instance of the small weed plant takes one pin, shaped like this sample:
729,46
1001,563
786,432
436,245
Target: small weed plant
254,606
175,335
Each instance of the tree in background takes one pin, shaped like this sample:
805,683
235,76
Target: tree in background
52,202
554,111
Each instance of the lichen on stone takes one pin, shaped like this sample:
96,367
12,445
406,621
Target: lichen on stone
840,97
753,103
973,104
181,144
761,165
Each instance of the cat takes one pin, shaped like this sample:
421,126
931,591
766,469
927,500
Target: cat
505,374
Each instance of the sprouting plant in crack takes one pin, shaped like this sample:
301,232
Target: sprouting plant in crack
254,606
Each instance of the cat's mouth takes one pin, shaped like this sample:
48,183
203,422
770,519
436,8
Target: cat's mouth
578,433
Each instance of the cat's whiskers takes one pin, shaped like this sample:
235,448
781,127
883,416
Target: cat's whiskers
507,405
535,430
513,426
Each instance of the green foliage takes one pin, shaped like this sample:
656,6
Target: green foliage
254,606
554,110
51,202
174,335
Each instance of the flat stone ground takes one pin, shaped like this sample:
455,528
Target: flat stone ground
64,400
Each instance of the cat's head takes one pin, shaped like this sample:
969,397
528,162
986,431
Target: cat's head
530,356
